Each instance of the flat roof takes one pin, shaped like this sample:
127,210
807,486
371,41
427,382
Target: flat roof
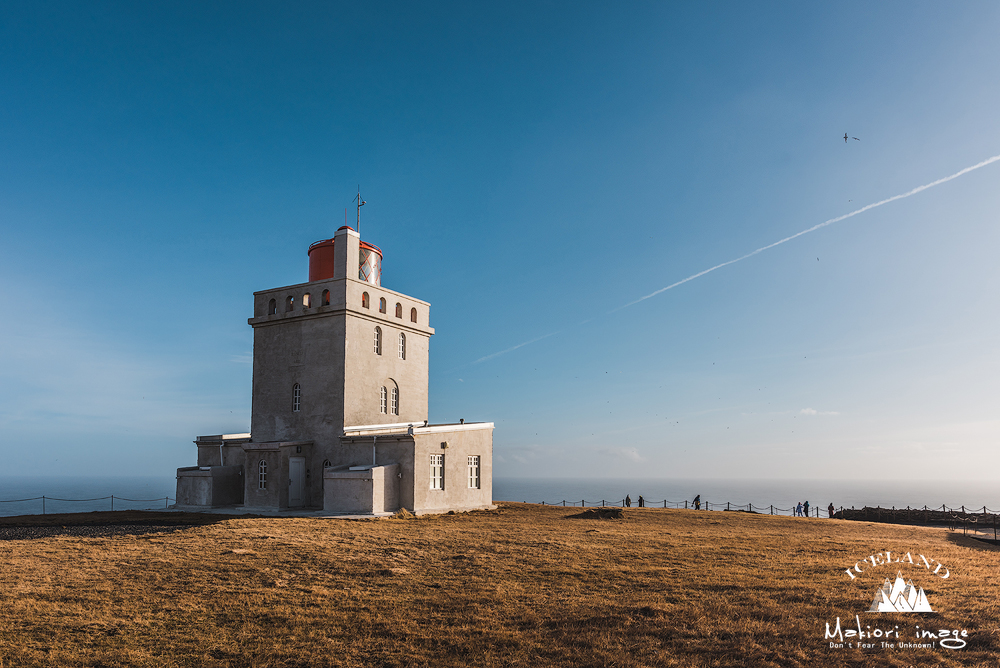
414,428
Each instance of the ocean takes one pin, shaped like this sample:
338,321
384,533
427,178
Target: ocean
19,495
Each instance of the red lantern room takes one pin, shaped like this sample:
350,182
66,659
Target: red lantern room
324,258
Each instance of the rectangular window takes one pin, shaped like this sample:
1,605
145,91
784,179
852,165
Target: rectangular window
473,471
437,471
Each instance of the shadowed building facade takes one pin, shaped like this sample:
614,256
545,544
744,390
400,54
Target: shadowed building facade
339,413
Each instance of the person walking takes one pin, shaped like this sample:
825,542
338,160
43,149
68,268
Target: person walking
697,502
805,509
628,501
798,509
830,509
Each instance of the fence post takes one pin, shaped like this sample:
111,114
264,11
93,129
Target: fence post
963,510
564,503
685,504
772,508
664,503
166,502
112,502
583,503
727,505
43,504
602,503
994,528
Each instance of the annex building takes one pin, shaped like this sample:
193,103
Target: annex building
339,416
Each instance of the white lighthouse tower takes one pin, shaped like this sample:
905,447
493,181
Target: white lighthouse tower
339,417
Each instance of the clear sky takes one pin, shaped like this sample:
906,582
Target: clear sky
529,169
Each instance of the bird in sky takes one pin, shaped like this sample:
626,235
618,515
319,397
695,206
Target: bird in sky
846,138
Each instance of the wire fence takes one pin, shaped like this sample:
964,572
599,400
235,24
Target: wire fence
46,503
946,514
689,505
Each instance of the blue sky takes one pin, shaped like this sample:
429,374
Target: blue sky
527,167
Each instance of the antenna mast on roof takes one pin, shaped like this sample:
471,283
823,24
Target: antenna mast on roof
361,203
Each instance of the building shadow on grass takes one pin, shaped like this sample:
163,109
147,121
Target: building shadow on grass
598,514
974,542
103,524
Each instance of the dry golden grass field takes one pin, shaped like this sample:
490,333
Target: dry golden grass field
522,586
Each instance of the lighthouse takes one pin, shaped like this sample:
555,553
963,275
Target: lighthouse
339,418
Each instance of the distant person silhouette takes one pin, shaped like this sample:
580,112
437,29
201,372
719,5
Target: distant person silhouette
697,502
642,502
628,501
805,509
798,509
831,510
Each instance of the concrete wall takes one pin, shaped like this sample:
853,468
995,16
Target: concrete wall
456,495
367,372
209,486
275,492
374,490
268,496
230,454
357,451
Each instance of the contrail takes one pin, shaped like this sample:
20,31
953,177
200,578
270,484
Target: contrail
908,193
513,348
814,228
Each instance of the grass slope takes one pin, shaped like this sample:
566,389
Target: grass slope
524,585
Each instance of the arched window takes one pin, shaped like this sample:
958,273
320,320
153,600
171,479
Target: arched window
402,346
364,300
262,475
272,307
413,315
399,310
383,400
381,305
326,298
394,406
306,300
378,340
296,398
289,303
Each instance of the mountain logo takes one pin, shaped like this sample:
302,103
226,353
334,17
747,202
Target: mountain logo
900,596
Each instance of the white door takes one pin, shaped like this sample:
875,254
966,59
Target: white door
296,481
